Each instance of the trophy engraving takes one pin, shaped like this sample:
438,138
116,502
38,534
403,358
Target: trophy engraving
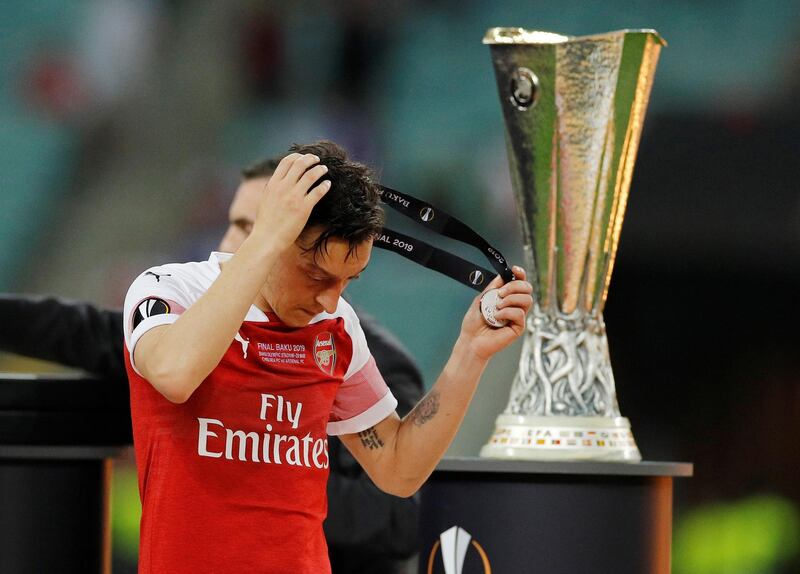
573,111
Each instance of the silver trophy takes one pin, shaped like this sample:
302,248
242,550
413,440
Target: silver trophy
573,109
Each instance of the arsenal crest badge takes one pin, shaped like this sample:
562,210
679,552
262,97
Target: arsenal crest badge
325,352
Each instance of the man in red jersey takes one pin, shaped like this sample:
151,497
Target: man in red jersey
240,367
366,529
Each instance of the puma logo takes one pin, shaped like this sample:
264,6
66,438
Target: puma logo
243,342
157,276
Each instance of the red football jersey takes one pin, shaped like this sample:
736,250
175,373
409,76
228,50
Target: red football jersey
233,480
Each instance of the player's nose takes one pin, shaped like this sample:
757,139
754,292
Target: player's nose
329,299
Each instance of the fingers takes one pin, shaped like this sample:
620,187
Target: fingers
299,172
516,299
300,166
493,284
497,282
284,165
291,194
521,300
318,192
514,316
311,176
515,287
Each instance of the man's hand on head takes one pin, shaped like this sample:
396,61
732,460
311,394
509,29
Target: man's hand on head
292,192
176,358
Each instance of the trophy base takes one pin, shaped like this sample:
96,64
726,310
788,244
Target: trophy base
562,438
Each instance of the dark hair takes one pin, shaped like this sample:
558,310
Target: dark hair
351,209
262,168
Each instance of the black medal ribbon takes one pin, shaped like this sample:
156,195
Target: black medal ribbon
427,255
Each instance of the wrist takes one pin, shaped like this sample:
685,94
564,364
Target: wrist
260,247
466,355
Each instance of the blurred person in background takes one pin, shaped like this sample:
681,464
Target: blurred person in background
367,530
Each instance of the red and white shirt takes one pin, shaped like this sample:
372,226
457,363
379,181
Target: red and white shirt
233,480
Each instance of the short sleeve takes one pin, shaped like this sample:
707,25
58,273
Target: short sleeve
155,298
363,399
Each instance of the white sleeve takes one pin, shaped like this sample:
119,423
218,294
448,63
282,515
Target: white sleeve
155,298
363,399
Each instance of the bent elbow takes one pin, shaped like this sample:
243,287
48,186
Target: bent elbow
401,488
174,385
176,396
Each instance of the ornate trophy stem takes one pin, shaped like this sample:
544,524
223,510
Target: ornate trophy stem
564,369
573,109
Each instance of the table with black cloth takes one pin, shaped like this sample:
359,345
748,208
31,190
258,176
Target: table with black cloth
58,435
519,517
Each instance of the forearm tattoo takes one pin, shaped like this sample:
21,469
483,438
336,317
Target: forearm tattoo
370,439
426,409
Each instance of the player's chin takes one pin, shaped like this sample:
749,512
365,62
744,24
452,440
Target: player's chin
298,318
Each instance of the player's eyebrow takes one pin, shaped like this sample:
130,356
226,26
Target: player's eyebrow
317,269
360,272
242,222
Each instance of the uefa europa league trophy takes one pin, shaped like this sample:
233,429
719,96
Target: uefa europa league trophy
573,110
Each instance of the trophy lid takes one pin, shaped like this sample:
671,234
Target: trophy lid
523,36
